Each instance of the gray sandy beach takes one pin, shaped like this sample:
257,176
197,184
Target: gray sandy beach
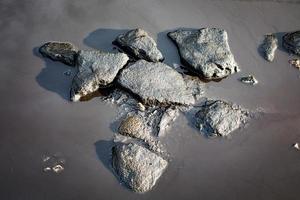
38,119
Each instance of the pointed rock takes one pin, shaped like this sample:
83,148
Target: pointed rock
217,117
156,83
140,45
138,167
95,69
205,52
64,52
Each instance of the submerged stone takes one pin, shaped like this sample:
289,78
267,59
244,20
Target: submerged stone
140,45
95,69
250,79
138,167
291,42
269,46
64,52
156,83
217,117
205,51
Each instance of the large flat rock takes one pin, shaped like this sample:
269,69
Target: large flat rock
95,69
140,45
156,83
137,167
291,42
205,51
217,117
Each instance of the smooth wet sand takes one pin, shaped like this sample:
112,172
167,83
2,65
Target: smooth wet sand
37,119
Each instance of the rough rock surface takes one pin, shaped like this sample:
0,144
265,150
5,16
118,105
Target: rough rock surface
137,167
95,69
218,117
205,52
140,45
269,46
156,83
291,42
132,126
64,52
250,79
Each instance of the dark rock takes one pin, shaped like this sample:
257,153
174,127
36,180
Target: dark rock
291,42
205,52
269,46
64,52
95,69
217,117
156,83
140,45
138,167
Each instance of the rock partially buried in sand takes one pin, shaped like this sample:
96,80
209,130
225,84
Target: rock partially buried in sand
218,117
269,46
137,167
205,52
140,45
250,79
156,83
132,126
95,69
64,52
291,42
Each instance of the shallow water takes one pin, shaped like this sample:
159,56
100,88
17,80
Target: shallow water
37,118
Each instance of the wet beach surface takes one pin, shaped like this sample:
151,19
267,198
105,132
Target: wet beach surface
38,120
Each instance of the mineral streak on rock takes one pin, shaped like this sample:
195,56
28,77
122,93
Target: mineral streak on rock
138,167
250,79
205,52
217,117
140,45
64,52
291,42
95,69
269,46
156,83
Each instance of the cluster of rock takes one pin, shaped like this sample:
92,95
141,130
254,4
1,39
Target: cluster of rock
151,92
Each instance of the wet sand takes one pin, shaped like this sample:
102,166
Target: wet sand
37,118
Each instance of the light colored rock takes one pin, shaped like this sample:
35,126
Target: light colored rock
291,42
132,126
95,69
295,63
64,52
217,117
270,44
140,45
206,52
156,83
137,167
250,79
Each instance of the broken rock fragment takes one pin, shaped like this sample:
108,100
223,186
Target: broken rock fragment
205,51
140,45
137,167
64,52
269,46
156,83
217,117
291,42
95,69
250,79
